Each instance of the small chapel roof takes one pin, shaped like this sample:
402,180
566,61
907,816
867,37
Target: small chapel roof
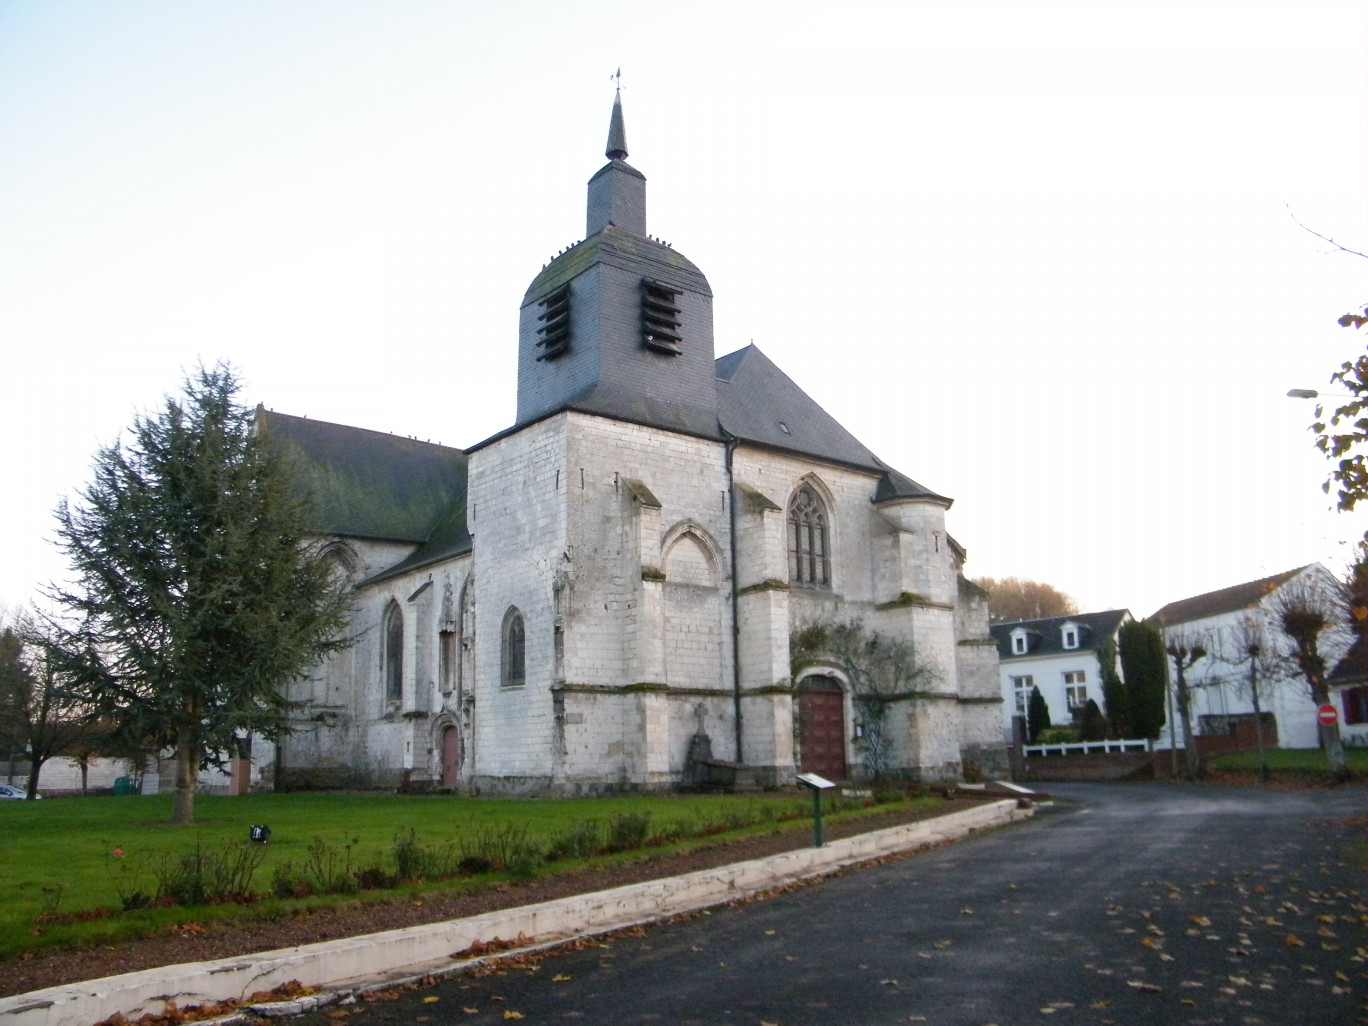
369,484
759,403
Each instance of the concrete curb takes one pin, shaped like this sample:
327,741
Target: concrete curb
376,959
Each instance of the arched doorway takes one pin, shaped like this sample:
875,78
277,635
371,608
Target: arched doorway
821,726
451,756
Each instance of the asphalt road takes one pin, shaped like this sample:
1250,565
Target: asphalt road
1122,904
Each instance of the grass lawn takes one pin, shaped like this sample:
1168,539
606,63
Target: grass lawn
1291,761
66,858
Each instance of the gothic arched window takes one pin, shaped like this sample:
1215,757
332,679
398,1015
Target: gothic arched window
514,650
393,661
809,540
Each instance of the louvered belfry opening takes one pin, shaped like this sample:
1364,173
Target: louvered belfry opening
660,316
553,337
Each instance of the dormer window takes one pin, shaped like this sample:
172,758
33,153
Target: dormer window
660,318
1069,635
553,337
1021,644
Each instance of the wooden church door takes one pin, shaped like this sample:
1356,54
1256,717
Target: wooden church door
821,712
451,757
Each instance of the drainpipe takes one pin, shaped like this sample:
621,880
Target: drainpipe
732,442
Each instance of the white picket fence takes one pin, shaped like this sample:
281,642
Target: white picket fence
1087,747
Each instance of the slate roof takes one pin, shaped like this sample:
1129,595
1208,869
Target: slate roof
1353,668
368,484
1048,639
1227,600
759,403
622,249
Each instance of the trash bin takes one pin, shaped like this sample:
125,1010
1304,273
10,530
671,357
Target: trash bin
123,785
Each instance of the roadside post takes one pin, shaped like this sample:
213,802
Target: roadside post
816,785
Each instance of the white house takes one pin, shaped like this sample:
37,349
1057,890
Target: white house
1058,655
1224,623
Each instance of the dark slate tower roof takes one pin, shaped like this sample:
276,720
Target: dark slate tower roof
759,403
619,324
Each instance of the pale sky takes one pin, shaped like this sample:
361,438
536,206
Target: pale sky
1036,255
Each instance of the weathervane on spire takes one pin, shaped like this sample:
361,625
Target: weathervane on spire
617,134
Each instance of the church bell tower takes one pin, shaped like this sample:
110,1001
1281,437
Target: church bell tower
619,324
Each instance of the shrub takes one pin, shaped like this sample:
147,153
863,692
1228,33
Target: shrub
408,856
498,846
1059,736
201,876
580,841
1094,724
1037,717
627,831
328,870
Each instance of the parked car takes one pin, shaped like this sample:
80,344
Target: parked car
10,791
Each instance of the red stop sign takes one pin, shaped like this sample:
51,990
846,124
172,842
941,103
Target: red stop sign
1327,715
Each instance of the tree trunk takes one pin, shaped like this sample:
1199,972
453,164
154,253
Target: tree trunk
1334,751
1330,735
187,774
1258,714
36,764
1192,759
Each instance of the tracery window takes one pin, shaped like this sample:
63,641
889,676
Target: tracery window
393,662
514,650
809,540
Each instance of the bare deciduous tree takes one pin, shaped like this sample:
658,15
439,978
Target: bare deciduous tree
1246,643
43,717
1312,612
1186,651
1016,598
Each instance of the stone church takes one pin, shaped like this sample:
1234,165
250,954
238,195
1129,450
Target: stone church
601,596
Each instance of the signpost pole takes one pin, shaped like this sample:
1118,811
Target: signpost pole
816,785
816,817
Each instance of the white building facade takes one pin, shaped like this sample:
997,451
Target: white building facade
1222,684
1060,656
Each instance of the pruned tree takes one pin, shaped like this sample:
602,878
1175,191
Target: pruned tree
1311,613
1246,644
880,669
1016,598
1037,716
1145,668
1186,651
197,594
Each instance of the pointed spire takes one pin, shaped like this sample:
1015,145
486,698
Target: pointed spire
617,134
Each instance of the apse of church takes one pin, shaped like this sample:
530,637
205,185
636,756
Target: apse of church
581,601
